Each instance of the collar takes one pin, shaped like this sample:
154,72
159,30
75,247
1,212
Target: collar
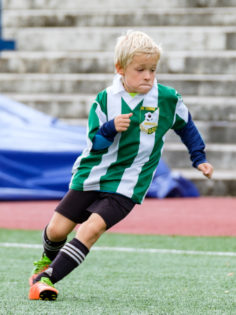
149,99
117,85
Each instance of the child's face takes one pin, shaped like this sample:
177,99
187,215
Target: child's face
139,75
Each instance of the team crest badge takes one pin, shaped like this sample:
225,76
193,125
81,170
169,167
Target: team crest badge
149,125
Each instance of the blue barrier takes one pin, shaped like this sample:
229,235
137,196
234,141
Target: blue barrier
5,44
37,153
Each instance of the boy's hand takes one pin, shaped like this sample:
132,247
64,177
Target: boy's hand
122,122
206,168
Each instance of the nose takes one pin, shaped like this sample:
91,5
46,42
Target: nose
147,75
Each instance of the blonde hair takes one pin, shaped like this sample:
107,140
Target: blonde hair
133,43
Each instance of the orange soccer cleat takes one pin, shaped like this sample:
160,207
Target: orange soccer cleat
43,290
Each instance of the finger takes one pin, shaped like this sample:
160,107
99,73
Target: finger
204,170
125,123
123,120
127,115
208,173
124,126
120,129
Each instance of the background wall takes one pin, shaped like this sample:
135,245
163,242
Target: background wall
64,57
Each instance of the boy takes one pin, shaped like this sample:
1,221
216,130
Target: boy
126,128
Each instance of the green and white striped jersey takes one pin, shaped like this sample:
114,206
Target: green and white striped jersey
127,166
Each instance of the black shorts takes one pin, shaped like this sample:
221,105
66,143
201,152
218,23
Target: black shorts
78,206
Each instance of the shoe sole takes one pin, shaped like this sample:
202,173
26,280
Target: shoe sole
48,295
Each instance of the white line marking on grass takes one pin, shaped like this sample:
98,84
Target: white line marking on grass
163,251
21,245
132,250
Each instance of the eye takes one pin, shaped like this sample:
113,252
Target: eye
139,69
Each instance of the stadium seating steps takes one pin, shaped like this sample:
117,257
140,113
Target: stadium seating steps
64,57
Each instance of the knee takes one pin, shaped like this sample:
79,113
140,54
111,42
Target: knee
95,230
54,234
91,230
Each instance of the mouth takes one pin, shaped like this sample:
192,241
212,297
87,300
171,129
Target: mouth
145,86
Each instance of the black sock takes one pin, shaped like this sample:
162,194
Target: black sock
69,257
51,249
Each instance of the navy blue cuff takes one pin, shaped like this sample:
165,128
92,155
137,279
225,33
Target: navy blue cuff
104,136
100,143
108,130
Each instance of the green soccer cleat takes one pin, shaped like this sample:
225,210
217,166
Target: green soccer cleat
39,266
43,290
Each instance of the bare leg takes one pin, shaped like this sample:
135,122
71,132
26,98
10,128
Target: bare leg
59,227
90,231
74,252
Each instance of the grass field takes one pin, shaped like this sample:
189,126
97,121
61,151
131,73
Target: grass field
195,275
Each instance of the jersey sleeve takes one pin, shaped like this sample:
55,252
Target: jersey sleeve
97,117
181,114
192,139
185,128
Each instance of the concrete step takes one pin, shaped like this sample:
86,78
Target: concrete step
201,108
222,156
120,17
188,62
70,107
211,131
76,106
73,109
215,108
104,39
223,182
131,4
201,85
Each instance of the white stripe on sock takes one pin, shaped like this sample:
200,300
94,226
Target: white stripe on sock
71,255
77,250
74,253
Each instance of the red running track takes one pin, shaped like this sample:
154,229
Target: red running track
181,216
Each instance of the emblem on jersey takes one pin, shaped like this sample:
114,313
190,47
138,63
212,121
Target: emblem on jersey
149,125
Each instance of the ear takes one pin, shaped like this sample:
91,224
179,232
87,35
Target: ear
119,69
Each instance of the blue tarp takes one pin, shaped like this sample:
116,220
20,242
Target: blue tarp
37,153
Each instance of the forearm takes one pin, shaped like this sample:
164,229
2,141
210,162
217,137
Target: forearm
191,137
104,136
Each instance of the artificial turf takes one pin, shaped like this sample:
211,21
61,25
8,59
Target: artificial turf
120,282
